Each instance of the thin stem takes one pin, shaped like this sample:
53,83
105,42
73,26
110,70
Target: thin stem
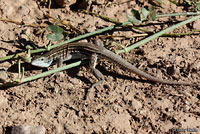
142,42
50,72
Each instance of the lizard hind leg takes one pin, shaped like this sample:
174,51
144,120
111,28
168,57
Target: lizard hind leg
96,72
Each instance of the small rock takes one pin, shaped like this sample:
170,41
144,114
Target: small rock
27,129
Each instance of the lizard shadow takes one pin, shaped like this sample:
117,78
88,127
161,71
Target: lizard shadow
121,76
28,67
74,71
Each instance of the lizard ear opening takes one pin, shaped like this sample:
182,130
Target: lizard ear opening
49,61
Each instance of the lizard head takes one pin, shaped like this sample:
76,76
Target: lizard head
41,61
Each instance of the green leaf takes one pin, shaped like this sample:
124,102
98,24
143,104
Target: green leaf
198,6
145,13
152,15
135,18
55,29
136,14
55,36
132,19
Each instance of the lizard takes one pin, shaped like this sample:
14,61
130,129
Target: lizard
83,50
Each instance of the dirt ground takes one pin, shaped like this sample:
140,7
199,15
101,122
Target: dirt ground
125,103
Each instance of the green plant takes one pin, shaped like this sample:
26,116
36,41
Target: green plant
140,16
195,4
57,33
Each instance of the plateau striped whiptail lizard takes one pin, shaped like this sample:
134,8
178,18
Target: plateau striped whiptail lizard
83,50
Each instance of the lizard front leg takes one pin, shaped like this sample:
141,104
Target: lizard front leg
96,72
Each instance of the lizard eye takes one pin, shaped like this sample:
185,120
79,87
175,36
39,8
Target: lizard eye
42,59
